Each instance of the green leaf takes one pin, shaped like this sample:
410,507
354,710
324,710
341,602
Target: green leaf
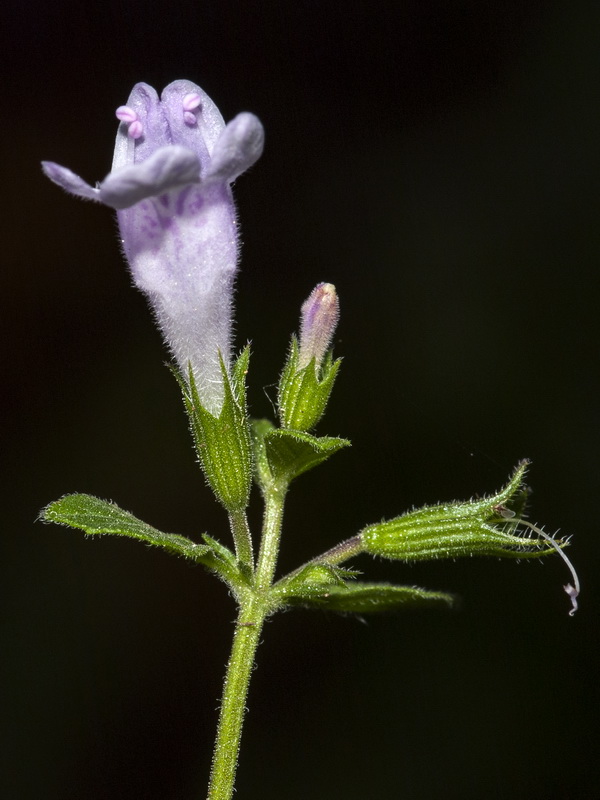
223,443
304,393
324,586
281,455
479,527
101,517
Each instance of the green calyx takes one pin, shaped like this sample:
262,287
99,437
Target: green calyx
223,443
304,391
485,527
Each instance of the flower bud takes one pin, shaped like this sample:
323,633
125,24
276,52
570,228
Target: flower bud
309,373
319,318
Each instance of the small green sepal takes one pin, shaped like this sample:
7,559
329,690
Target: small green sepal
483,527
223,443
304,392
281,454
327,587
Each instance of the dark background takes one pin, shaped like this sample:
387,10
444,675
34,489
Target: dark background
438,162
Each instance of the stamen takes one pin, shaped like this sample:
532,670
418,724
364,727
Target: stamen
135,130
572,591
190,103
127,115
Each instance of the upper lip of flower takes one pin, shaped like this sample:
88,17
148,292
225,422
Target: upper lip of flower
163,145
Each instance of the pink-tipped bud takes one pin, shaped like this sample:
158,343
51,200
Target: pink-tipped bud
319,318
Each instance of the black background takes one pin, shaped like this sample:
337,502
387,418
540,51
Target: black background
436,161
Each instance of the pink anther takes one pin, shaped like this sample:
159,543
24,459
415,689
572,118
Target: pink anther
135,130
126,114
131,119
191,101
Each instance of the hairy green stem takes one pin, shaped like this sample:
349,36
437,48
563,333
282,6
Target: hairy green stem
340,553
269,546
233,705
255,605
238,522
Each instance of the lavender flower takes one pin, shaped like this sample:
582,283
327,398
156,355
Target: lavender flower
173,165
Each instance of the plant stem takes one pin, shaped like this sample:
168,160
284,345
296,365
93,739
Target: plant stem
255,605
233,705
341,552
238,523
269,545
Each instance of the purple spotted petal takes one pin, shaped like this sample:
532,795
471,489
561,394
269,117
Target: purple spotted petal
69,181
167,169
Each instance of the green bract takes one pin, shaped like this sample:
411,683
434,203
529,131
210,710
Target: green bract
281,455
332,588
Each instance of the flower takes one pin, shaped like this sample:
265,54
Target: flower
170,182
